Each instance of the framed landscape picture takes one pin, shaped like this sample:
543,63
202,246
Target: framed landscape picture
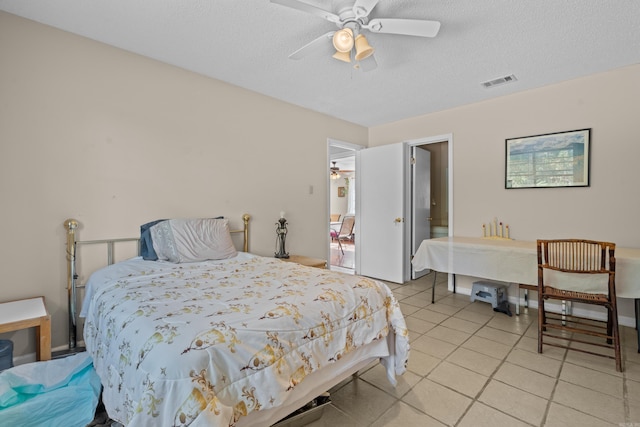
550,160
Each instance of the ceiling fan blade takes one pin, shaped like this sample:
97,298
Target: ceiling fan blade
362,8
321,43
368,64
299,5
409,27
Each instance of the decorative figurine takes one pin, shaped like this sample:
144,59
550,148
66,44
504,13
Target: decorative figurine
281,233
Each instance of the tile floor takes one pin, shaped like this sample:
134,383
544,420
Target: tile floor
345,259
470,366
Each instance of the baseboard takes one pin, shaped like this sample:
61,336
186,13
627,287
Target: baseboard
56,352
557,308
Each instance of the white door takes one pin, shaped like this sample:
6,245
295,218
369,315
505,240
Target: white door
420,201
381,239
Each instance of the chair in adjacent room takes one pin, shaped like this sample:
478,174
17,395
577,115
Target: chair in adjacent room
346,230
581,271
334,217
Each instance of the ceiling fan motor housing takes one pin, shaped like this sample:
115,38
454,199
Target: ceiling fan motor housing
348,19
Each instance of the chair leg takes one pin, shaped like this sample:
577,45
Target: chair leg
613,315
637,304
340,246
541,320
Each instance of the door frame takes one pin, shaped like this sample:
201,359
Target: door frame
349,146
448,138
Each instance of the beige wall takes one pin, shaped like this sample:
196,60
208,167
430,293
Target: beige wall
115,140
608,210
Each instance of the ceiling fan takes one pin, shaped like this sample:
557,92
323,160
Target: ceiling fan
348,41
335,171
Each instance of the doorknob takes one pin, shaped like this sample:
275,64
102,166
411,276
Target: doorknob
429,219
399,220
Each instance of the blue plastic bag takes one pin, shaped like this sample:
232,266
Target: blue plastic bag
62,392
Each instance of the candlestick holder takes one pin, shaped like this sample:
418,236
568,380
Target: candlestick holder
497,231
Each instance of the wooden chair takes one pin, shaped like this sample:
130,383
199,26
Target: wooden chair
580,271
346,230
334,217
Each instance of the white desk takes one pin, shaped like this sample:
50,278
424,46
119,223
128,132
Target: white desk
514,261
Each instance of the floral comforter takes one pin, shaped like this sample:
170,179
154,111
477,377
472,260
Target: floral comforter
213,341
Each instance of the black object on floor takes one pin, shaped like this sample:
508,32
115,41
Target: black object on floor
503,307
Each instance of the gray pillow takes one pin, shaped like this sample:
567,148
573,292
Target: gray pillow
190,240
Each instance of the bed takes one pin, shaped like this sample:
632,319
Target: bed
230,340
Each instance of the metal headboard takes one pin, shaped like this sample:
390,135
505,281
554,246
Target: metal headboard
71,225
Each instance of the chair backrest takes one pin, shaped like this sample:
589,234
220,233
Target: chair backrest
334,217
564,258
346,229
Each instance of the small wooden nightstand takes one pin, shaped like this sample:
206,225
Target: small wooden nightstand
28,313
305,260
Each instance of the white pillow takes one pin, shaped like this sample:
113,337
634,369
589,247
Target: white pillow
190,240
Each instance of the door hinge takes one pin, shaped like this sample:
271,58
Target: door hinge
413,160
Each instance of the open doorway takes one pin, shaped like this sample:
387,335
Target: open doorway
439,226
342,206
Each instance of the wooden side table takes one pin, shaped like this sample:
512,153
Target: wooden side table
28,313
305,260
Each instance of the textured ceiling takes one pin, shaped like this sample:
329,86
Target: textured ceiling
247,43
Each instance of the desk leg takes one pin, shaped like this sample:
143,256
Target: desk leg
43,340
433,288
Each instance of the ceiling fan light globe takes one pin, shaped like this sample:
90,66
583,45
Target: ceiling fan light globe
364,54
342,56
363,49
343,40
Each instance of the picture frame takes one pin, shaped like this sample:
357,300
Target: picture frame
341,192
560,159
